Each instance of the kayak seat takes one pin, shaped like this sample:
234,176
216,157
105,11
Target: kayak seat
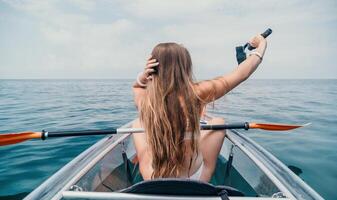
184,187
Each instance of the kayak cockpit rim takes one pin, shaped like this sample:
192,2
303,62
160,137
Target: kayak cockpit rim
72,195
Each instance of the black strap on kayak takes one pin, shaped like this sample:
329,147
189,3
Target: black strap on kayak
223,195
229,164
126,166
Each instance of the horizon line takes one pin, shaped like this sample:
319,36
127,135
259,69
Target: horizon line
134,79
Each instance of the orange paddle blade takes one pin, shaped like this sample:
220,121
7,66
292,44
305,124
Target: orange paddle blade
13,138
275,127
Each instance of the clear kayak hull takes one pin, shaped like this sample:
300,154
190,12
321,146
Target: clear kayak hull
108,166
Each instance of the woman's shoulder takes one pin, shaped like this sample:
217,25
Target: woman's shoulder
210,90
205,90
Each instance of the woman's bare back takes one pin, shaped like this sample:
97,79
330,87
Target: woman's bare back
210,143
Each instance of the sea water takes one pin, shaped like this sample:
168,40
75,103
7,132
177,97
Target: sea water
34,105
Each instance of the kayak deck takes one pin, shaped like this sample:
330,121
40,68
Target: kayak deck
108,166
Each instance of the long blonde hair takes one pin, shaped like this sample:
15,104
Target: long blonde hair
169,109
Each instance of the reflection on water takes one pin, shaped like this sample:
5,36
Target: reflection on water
295,169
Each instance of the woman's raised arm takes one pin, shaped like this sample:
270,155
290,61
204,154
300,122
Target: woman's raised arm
211,90
139,86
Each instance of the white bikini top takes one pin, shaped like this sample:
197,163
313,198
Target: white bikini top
197,174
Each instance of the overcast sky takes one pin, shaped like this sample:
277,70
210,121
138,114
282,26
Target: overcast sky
111,39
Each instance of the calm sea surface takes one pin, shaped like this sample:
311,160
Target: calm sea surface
97,104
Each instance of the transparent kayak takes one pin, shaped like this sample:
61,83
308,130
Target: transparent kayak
105,169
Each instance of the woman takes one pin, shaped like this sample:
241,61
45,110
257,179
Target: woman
170,107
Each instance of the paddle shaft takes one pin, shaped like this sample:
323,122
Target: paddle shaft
77,133
46,134
244,125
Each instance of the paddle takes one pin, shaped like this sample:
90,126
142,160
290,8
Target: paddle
13,138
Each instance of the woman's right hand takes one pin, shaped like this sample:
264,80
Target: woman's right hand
257,41
260,43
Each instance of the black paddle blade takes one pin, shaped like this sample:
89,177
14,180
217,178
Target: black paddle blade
240,54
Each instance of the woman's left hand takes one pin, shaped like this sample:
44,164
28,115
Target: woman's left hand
149,69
